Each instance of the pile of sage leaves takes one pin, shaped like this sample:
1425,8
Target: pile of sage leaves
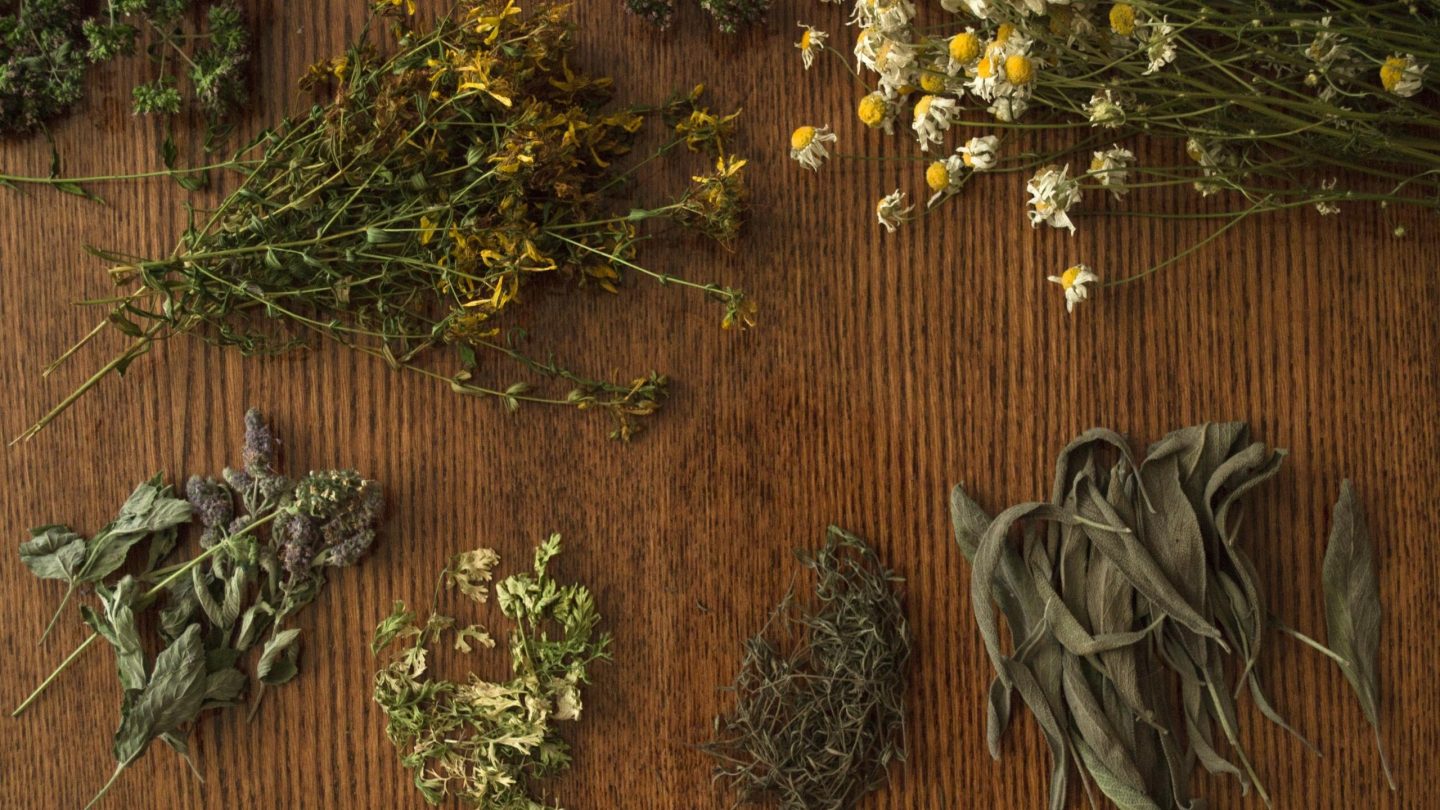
1130,588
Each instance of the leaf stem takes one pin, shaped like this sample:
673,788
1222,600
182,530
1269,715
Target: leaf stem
53,675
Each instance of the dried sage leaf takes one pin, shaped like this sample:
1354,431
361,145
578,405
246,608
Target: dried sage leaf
1352,608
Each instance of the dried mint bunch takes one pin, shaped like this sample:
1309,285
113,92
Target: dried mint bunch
819,709
266,541
1136,614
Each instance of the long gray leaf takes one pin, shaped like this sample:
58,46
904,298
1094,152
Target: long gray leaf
1352,608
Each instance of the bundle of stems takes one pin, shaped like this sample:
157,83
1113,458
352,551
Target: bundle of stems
1319,103
432,191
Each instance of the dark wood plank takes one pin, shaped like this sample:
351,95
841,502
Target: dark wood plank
886,368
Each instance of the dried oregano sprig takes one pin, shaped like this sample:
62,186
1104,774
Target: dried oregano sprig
820,699
434,190
1130,587
46,45
487,743
266,541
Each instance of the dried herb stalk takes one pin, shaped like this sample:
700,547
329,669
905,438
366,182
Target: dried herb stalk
488,743
432,192
819,709
266,541
1136,616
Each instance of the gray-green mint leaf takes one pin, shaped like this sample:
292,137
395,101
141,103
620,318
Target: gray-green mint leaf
277,659
53,552
173,697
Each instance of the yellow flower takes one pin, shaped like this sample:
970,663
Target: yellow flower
409,5
1122,19
873,110
802,137
1004,32
964,47
986,68
932,81
427,229
1019,69
937,177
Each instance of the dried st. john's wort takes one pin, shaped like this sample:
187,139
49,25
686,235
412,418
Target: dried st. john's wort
489,743
1137,617
266,541
819,710
431,194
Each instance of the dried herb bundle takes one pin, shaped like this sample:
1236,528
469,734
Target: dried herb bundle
1267,107
425,200
1130,587
46,45
266,541
485,742
730,15
820,699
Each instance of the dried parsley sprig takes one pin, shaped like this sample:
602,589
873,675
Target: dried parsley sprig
1130,588
266,540
431,193
819,709
485,742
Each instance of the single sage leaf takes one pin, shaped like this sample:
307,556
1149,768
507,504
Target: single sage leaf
1352,608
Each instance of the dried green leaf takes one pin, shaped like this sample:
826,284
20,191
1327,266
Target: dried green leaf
277,659
1352,608
53,552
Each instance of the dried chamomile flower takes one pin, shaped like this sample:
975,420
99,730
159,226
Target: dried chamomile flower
981,153
812,41
1111,167
892,211
1075,282
807,146
1402,75
1052,194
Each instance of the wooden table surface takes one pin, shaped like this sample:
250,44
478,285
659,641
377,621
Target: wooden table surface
885,369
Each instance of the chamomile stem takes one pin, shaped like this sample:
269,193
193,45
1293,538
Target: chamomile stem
45,684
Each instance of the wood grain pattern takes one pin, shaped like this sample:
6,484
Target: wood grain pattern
886,368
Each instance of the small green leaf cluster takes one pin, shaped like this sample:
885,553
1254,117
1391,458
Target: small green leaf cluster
487,742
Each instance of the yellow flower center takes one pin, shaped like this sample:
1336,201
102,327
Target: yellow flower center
969,160
922,107
1122,19
1004,32
1097,164
937,177
872,110
932,81
1019,69
805,40
1067,279
986,68
802,138
964,47
882,55
1392,72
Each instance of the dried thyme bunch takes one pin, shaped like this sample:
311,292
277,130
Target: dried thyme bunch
266,541
1099,106
484,742
1129,588
46,45
820,699
430,195
730,15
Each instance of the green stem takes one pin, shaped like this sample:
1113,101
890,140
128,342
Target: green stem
55,617
25,704
109,784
